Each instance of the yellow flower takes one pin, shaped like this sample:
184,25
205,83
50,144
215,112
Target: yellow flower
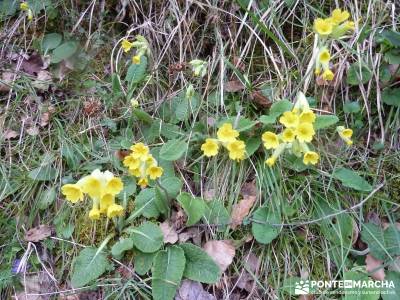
323,27
305,132
131,162
114,186
345,134
105,202
94,214
349,25
135,172
154,172
91,186
328,75
134,103
143,182
307,117
317,71
237,150
226,133
72,192
310,157
288,135
210,147
126,45
339,16
114,210
136,59
24,6
289,119
271,161
324,56
140,150
270,140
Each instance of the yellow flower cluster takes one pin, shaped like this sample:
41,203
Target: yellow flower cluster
142,164
227,137
101,187
199,67
24,6
298,131
345,134
141,45
334,27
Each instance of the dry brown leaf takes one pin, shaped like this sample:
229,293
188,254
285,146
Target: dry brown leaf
33,131
260,99
306,297
233,86
192,290
7,79
191,233
39,283
32,65
372,264
170,235
45,119
38,233
91,108
10,134
121,154
222,252
241,209
43,80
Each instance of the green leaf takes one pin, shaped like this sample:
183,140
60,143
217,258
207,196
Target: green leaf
279,107
383,244
145,203
43,173
173,150
242,125
47,198
143,262
352,180
199,265
262,231
216,213
351,107
142,116
194,207
88,266
391,96
268,119
167,272
390,293
393,56
389,36
51,41
252,144
129,187
64,51
118,249
71,155
360,293
325,121
357,74
148,237
172,185
162,201
137,72
337,229
8,8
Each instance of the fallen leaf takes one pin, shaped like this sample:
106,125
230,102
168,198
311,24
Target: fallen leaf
191,233
222,252
32,65
192,290
10,134
306,297
241,209
125,271
44,119
260,99
7,79
33,131
91,108
170,235
43,80
38,233
34,285
372,264
246,280
178,218
233,86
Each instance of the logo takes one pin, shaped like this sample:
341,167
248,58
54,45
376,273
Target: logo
302,287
